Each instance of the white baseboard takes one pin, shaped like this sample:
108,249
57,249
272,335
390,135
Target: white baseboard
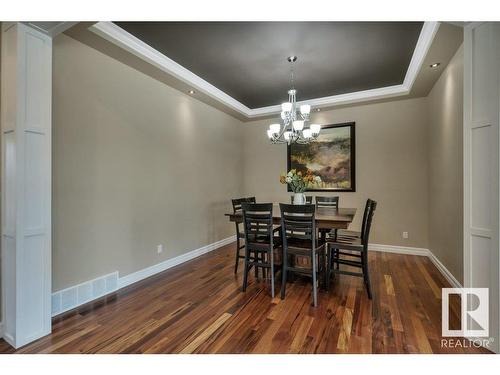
77,295
169,263
399,249
10,340
420,252
81,294
444,271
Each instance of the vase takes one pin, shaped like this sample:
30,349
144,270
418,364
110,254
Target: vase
299,198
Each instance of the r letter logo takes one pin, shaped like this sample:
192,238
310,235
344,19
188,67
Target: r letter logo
474,317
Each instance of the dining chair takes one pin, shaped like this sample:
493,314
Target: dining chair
298,229
260,241
352,252
309,199
351,234
328,202
240,235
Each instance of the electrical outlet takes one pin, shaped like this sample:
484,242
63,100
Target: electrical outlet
405,235
159,249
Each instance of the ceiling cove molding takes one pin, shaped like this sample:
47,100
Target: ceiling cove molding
424,42
116,35
54,29
127,41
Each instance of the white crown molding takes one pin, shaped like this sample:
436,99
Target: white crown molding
327,101
424,42
125,40
116,35
55,30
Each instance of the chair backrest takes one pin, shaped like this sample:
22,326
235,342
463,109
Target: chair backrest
365,214
237,203
298,221
327,202
258,222
365,235
309,199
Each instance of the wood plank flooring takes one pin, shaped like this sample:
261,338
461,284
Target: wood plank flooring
198,307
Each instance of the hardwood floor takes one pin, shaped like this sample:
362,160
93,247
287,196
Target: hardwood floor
198,307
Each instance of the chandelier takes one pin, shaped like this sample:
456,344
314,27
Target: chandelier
292,129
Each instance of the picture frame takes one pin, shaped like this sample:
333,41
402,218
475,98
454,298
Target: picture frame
332,157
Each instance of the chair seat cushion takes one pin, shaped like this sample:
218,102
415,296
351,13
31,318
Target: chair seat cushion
348,233
354,244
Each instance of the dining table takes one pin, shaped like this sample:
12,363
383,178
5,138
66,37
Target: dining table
326,217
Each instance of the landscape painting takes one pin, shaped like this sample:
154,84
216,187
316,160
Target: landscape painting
331,157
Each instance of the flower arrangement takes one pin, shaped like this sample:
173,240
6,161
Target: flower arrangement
299,182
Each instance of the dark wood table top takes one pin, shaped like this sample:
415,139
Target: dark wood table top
326,217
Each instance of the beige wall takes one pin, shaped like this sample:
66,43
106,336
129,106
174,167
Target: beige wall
135,164
391,167
446,167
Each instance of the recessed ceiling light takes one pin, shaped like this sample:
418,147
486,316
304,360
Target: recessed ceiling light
318,109
434,65
191,92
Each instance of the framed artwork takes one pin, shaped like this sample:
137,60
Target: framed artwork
331,156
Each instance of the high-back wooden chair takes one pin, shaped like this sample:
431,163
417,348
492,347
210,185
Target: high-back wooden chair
327,201
351,234
260,240
352,252
298,228
240,235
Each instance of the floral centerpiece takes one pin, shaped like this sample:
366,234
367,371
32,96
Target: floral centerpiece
299,183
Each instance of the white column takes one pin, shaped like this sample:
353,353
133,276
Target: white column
26,96
481,164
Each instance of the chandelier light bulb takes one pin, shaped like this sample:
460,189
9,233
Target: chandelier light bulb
298,125
269,133
315,128
275,128
307,133
286,107
305,109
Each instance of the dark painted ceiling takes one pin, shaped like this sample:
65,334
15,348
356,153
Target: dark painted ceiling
247,60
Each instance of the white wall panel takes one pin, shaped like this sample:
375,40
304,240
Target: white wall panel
480,260
9,180
9,278
482,164
31,282
481,177
26,179
35,80
34,207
